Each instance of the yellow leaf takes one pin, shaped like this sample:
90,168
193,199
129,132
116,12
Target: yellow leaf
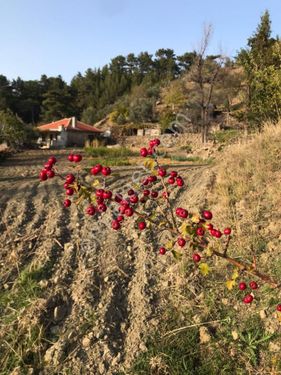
169,245
209,251
230,284
195,218
95,183
162,224
149,164
235,275
183,229
204,269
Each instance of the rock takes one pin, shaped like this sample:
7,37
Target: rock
59,312
234,335
263,314
43,283
204,335
86,342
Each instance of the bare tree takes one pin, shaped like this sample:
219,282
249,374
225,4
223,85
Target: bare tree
202,80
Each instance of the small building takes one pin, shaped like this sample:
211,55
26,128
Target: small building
68,132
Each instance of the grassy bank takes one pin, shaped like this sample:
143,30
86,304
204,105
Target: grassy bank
205,328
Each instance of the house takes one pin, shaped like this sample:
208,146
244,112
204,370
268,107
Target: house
67,132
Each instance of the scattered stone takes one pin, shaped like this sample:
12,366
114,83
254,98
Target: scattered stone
235,335
86,342
263,314
43,283
59,313
106,279
204,335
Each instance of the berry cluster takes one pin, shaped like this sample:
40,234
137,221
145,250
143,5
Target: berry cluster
149,203
48,170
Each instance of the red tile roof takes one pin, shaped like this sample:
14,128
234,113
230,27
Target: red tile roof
67,124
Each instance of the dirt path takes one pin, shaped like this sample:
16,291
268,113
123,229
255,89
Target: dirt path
100,290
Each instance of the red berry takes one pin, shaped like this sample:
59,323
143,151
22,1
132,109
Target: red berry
142,225
99,193
154,194
120,218
131,192
165,194
107,195
129,211
181,212
207,215
162,251
43,175
143,152
102,207
196,257
179,181
154,142
118,198
50,174
278,308
173,174
67,203
77,158
150,151
65,185
171,180
134,199
90,210
69,178
48,166
152,178
70,157
162,172
248,298
145,182
115,224
146,193
100,200
227,231
181,242
200,231
253,285
69,191
106,171
143,199
216,233
52,160
122,209
242,286
210,226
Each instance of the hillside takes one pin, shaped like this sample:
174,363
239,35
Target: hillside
77,297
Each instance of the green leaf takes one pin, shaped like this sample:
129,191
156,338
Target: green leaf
176,255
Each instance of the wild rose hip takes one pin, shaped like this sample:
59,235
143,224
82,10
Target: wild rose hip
115,224
70,157
150,151
278,308
120,218
248,298
67,203
146,193
69,191
107,195
96,169
162,251
171,180
106,171
179,181
129,211
162,172
227,231
196,257
154,194
70,178
253,285
134,199
207,215
242,286
48,166
181,212
142,225
181,242
43,175
143,152
173,174
52,160
102,207
77,158
50,174
91,210
200,231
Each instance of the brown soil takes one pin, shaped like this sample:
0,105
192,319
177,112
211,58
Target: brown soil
101,290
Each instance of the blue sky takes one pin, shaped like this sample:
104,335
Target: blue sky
66,36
